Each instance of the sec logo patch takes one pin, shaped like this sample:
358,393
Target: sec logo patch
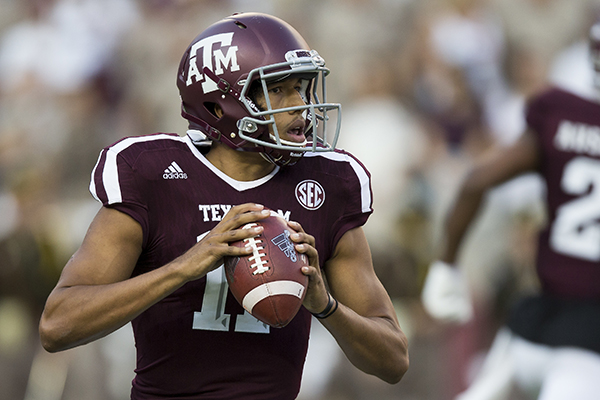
310,194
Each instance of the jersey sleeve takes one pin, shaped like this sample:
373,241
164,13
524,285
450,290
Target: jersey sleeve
536,111
115,184
356,197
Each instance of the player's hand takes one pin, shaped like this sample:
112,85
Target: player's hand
208,253
446,294
316,298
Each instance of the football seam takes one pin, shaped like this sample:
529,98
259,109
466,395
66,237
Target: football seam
260,265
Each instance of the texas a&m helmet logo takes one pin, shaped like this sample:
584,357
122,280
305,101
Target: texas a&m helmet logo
310,194
217,55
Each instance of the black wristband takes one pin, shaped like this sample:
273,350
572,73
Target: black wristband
330,308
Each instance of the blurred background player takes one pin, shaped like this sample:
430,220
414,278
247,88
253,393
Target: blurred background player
550,346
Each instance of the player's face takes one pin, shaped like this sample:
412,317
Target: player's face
283,94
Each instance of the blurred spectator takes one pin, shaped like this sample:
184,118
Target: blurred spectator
444,80
544,27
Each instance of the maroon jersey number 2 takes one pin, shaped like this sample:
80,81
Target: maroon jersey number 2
575,231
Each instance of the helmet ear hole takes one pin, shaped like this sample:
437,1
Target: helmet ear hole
215,109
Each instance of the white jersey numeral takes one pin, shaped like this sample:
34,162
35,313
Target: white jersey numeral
212,316
576,229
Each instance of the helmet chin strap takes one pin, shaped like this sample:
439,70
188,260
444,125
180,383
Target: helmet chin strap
281,160
204,126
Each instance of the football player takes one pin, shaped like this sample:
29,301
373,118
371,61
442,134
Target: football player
253,93
550,346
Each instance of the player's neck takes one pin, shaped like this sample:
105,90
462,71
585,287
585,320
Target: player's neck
239,165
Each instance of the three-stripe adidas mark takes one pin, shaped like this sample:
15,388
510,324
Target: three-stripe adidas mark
174,171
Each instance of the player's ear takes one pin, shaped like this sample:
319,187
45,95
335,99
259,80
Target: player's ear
218,111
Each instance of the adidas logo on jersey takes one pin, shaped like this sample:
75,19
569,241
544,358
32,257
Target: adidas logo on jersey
174,171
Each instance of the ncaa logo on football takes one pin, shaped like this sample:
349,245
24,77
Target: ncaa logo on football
310,194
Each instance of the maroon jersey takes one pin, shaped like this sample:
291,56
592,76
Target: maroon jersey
568,129
199,343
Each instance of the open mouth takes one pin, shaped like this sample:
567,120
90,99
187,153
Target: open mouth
295,133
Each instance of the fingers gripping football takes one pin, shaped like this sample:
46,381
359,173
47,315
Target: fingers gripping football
317,296
208,253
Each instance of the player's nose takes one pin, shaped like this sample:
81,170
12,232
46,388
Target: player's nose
294,99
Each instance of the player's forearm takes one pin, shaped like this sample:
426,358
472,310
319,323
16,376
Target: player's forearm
459,219
76,315
376,346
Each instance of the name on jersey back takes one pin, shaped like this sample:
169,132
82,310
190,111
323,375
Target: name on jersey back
578,137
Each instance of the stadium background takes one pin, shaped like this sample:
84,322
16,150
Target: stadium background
426,86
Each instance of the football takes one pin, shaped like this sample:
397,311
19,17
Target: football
269,283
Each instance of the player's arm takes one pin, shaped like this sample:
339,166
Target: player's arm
365,324
96,295
445,292
494,168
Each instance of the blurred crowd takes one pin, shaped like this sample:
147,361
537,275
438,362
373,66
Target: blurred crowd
426,87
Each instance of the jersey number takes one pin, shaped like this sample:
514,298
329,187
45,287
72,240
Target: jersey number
212,316
576,230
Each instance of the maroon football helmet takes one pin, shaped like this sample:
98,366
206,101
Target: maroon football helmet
220,67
